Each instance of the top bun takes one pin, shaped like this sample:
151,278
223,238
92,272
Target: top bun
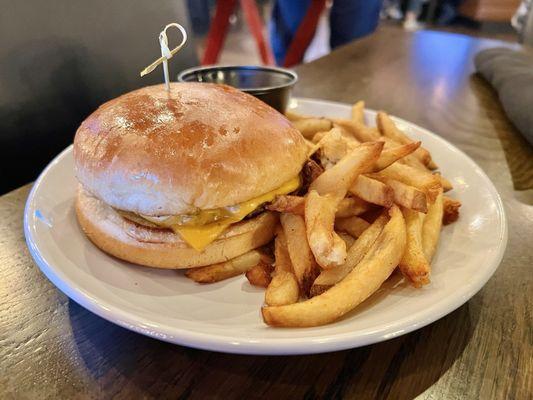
201,146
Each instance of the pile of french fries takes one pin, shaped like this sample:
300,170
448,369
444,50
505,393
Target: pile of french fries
372,202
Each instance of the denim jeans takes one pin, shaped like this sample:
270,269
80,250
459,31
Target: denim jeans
349,20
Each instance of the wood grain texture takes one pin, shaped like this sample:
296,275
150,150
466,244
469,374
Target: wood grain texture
52,348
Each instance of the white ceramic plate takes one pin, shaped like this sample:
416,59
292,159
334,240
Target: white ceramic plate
226,316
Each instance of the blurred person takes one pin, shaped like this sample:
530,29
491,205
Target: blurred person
349,20
392,10
414,9
448,11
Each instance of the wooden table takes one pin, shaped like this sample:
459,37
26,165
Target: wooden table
52,348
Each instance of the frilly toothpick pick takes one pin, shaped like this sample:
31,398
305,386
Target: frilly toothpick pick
166,53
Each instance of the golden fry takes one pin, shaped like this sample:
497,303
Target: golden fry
342,175
260,275
328,248
357,286
310,126
218,272
414,265
356,252
451,210
302,260
372,191
388,128
358,112
431,228
354,226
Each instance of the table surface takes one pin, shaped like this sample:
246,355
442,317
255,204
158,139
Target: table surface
52,348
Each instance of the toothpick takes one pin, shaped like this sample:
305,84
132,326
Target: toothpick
166,53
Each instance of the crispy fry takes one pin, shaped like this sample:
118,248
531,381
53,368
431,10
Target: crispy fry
414,265
422,180
358,285
281,253
334,146
409,159
358,112
260,275
309,126
283,289
288,204
431,228
328,248
347,238
388,156
218,272
340,177
388,128
302,260
317,137
360,131
451,210
446,184
372,191
408,196
356,252
351,206
348,207
294,116
354,226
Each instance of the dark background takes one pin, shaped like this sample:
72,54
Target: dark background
60,59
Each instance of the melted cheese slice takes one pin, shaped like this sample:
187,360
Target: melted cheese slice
199,236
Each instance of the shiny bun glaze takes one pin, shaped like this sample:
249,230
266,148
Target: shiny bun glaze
201,146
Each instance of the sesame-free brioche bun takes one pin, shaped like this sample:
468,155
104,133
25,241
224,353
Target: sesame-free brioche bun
162,248
201,146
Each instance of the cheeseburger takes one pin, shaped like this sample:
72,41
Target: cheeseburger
179,179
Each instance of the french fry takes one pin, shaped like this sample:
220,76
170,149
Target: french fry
388,128
347,238
358,112
391,155
348,207
260,274
308,127
334,146
408,196
445,183
288,204
303,263
328,248
409,159
342,175
362,281
283,289
360,131
372,191
281,253
351,206
356,252
451,210
228,269
354,226
317,137
431,228
422,180
294,116
414,265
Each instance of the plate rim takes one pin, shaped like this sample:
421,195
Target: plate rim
270,346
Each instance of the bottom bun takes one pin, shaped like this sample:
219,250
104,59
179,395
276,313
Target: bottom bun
162,248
